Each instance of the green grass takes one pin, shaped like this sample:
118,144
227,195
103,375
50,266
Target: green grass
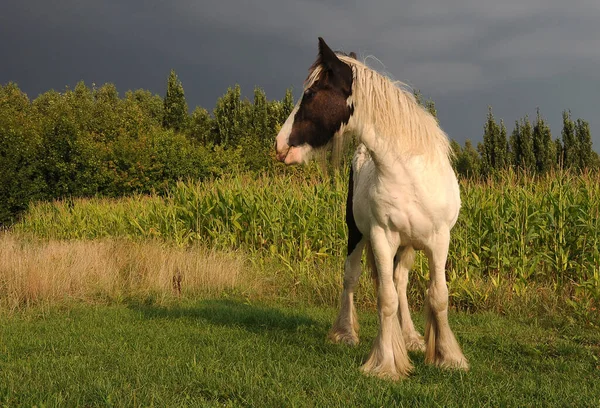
227,352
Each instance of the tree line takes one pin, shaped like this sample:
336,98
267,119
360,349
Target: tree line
89,141
530,148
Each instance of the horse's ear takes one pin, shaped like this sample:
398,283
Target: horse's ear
353,55
331,62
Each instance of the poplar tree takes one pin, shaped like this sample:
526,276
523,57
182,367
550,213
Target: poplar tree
259,120
527,153
175,107
584,144
570,149
515,145
489,149
501,148
466,161
228,115
560,154
543,146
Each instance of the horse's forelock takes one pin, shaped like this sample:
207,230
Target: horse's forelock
317,68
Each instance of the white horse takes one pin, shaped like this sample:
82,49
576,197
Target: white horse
403,195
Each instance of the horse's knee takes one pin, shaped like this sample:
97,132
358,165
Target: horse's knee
437,297
388,301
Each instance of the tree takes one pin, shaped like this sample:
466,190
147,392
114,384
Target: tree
229,117
428,104
151,105
259,121
584,144
456,152
501,148
543,146
521,143
528,156
560,155
200,127
20,144
468,163
570,148
418,96
493,150
175,107
287,105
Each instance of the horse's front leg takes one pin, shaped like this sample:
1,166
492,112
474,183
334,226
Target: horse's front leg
442,349
388,358
345,328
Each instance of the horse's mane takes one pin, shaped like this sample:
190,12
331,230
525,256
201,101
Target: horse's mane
399,120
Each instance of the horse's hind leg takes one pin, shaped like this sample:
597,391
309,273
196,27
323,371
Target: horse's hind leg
442,349
345,328
405,258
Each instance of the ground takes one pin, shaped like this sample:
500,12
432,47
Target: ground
231,352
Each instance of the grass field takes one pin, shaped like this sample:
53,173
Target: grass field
226,352
221,294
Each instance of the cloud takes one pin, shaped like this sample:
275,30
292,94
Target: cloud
483,51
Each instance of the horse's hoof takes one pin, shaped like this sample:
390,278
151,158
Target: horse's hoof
350,339
415,343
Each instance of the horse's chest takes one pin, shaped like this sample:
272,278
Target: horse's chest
395,211
398,212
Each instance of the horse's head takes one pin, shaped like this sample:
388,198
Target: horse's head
322,110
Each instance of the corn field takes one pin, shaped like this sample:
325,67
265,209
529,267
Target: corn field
515,234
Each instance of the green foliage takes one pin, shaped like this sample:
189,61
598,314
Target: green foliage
20,177
200,127
584,144
229,117
287,105
175,107
570,145
88,141
527,157
468,163
543,147
493,151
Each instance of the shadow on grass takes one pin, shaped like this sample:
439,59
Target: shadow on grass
234,313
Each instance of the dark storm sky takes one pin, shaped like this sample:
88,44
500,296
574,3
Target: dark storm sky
514,55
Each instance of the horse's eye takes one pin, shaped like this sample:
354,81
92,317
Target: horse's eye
309,93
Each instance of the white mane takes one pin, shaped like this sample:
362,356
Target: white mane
398,119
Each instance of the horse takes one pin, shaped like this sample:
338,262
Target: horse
403,196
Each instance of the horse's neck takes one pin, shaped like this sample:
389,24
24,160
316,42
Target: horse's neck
380,151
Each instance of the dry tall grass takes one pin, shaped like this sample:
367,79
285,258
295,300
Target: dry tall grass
33,272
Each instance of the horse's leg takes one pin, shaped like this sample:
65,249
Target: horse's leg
405,258
345,328
388,358
442,349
